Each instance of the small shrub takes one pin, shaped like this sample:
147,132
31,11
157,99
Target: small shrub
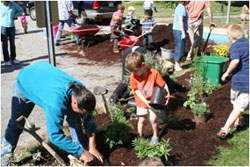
144,149
200,109
115,112
117,133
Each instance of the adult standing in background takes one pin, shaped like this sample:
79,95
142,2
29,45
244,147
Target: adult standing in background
65,9
148,6
9,12
195,11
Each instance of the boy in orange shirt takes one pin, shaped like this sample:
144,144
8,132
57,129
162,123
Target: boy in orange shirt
142,82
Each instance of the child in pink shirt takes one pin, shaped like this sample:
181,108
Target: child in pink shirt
24,22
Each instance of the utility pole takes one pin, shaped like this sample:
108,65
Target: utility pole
50,41
228,12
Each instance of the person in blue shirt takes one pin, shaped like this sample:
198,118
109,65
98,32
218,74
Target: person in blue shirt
9,12
148,24
239,71
180,26
60,96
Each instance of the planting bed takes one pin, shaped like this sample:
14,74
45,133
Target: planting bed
190,145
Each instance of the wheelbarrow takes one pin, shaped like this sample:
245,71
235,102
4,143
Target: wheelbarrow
129,41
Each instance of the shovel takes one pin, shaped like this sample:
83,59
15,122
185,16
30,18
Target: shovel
98,90
32,130
210,30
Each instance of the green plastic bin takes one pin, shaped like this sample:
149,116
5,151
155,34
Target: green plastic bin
213,67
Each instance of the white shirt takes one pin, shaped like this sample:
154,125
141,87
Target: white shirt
148,4
64,6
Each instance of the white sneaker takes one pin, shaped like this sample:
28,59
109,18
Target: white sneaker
8,63
15,61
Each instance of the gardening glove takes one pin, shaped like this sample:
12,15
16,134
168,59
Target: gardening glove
183,35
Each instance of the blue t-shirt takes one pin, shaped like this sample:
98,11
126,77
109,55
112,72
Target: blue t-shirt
180,10
240,77
48,87
9,13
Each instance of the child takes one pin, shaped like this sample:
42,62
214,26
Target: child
129,18
24,22
116,33
180,26
142,82
239,69
148,23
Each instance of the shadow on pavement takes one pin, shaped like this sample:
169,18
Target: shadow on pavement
29,32
8,69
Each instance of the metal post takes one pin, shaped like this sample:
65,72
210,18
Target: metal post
221,6
50,41
228,12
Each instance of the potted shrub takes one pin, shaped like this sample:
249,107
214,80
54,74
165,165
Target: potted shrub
200,111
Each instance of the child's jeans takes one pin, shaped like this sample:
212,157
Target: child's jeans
147,40
179,45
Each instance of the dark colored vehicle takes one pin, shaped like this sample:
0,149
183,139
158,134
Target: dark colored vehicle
94,10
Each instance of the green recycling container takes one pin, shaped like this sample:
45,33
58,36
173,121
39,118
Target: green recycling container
212,67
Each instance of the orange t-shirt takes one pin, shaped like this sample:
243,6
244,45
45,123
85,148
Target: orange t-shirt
195,9
146,85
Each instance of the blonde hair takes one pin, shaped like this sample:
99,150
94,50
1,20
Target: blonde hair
134,60
235,31
131,9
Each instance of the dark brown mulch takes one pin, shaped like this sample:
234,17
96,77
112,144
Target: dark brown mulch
86,26
98,48
190,145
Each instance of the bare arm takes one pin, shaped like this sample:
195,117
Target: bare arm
232,66
167,97
140,95
181,23
210,14
92,147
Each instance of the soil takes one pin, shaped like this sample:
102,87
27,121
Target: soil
99,49
191,145
87,26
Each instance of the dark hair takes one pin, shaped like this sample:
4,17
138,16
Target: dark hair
85,99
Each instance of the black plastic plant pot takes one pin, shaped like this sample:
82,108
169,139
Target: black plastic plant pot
158,98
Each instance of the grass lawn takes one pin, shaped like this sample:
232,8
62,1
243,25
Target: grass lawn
163,11
236,154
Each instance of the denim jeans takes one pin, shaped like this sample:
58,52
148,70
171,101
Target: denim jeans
179,45
147,40
60,29
8,34
22,106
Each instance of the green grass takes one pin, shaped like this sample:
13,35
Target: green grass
236,154
163,11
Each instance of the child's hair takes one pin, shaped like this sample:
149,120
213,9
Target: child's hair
134,60
131,9
85,99
235,31
146,12
121,7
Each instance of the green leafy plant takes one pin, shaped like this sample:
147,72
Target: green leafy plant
117,133
221,50
171,5
144,149
200,109
200,86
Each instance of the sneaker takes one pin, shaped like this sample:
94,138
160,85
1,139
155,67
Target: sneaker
240,126
154,141
222,134
15,62
6,159
8,63
178,69
116,51
188,59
